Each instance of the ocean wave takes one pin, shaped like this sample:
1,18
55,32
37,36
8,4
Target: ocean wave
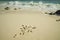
41,5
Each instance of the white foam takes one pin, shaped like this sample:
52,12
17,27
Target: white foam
48,7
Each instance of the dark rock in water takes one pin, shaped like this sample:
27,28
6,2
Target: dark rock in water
57,12
51,13
7,8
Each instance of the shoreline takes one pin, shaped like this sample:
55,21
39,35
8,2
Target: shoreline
47,26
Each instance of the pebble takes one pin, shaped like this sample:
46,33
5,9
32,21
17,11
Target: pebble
7,8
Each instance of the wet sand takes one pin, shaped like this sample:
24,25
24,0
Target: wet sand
47,28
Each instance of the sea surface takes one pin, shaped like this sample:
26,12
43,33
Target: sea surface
51,5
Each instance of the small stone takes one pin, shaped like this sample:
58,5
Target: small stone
50,13
7,8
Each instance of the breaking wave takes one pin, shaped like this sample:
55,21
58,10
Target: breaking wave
40,5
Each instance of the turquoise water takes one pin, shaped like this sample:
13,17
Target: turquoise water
45,1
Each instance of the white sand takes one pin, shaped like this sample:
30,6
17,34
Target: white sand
46,26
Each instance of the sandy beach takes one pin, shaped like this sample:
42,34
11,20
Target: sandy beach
47,28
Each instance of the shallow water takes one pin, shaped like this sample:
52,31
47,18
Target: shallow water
43,6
